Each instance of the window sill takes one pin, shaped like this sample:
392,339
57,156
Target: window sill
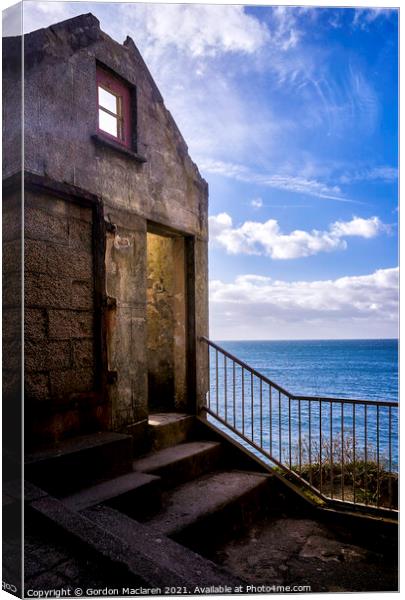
102,141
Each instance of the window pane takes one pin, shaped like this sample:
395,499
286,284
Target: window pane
107,100
108,123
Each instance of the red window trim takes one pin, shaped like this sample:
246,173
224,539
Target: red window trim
117,87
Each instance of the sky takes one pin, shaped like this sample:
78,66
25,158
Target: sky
291,115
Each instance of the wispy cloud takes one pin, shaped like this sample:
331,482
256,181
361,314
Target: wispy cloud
280,181
380,173
363,17
363,306
285,29
256,238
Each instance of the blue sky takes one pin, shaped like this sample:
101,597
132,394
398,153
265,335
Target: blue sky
291,116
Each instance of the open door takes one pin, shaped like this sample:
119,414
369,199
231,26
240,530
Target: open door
166,321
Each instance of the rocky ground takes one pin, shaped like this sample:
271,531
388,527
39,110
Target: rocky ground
287,551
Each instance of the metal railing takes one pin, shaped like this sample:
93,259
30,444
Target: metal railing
344,450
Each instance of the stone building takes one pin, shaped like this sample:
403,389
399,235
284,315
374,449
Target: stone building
115,226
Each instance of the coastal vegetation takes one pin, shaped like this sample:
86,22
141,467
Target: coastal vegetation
346,471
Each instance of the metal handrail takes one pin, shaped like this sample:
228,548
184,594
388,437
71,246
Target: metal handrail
285,392
245,365
263,421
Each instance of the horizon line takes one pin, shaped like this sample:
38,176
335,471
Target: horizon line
308,339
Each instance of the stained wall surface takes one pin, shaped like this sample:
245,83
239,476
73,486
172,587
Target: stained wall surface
166,323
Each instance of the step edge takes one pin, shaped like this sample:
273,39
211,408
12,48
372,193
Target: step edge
168,544
121,555
213,446
69,502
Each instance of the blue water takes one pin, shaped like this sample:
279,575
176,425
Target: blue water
365,369
359,369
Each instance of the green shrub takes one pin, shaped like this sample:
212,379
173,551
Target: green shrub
347,472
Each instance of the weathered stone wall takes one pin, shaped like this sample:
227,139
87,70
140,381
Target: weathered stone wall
126,319
12,135
12,307
202,318
59,317
166,322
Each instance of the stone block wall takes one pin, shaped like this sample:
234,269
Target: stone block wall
59,315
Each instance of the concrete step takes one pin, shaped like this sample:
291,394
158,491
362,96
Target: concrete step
181,463
136,494
72,464
122,562
129,553
186,565
169,429
213,506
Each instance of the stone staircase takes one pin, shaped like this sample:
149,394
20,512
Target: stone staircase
162,507
203,499
157,521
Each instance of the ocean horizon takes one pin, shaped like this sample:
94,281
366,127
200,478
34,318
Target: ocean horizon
349,368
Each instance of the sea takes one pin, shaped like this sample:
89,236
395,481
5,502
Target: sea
363,369
353,369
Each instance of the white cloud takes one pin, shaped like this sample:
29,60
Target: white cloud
257,307
219,223
256,238
199,30
366,228
256,203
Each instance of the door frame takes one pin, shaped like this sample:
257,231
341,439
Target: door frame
190,307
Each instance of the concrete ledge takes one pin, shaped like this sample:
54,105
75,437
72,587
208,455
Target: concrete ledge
191,567
120,559
130,551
